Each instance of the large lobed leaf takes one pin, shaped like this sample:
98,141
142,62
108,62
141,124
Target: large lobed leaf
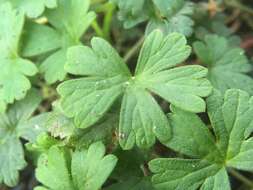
108,78
231,120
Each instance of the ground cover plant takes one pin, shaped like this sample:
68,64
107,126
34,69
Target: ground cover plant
126,95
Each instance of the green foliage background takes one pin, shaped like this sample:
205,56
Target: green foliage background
126,95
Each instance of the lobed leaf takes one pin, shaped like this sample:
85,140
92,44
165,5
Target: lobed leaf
69,30
228,66
232,124
108,78
87,169
16,124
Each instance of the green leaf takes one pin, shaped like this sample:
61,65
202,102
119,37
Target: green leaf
102,131
11,159
14,74
89,169
107,78
132,12
31,8
176,174
141,120
39,39
198,141
168,16
182,86
228,66
42,145
232,123
129,169
219,180
133,183
14,124
101,93
216,24
176,17
69,30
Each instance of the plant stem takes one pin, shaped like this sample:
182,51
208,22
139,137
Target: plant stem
240,177
97,28
238,5
133,50
108,20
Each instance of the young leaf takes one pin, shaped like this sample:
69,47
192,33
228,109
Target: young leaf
14,70
231,120
70,30
31,8
86,169
15,124
227,65
141,119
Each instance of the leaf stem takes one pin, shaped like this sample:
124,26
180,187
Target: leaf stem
133,50
108,20
240,177
97,28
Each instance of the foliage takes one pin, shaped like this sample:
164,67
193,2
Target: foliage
231,120
126,94
109,78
